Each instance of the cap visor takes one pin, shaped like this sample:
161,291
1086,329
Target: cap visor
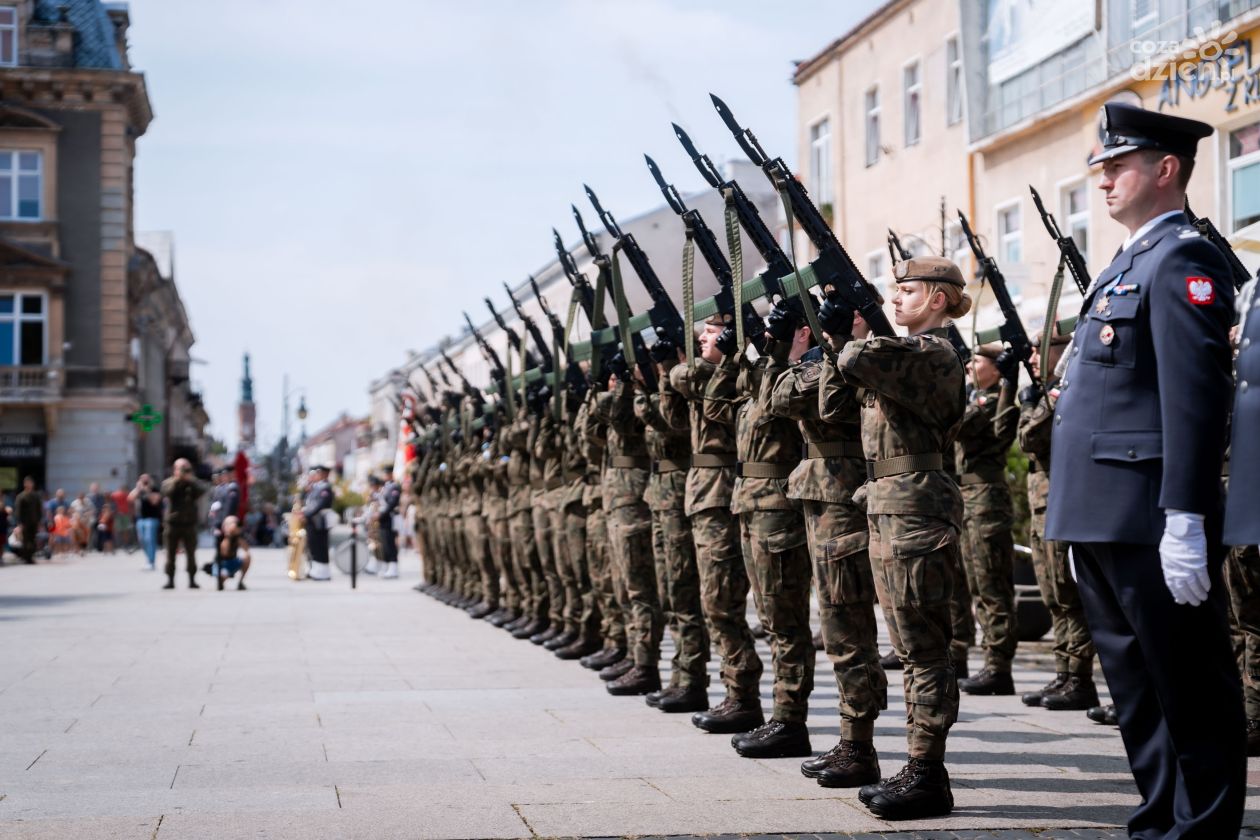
1113,152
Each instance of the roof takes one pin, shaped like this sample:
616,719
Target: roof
809,65
161,245
94,44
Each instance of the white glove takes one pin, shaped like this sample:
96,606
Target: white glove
1183,554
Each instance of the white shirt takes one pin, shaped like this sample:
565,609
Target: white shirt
1146,228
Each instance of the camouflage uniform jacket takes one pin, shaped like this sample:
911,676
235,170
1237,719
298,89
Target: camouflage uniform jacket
494,481
988,429
470,483
665,442
548,450
913,397
623,485
1035,427
824,417
515,437
707,397
761,437
592,436
537,465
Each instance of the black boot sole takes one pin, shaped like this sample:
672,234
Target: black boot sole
834,784
728,727
918,812
803,750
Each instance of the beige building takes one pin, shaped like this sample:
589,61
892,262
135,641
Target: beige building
975,100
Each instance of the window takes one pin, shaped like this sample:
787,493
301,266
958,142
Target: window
877,266
956,244
912,86
1010,234
1244,176
8,36
1074,210
23,322
872,126
21,185
953,81
1143,13
820,185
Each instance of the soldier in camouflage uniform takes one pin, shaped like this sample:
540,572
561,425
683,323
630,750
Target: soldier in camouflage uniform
582,610
1073,685
985,436
913,398
521,528
1242,578
833,469
544,459
476,531
625,482
678,576
775,554
709,399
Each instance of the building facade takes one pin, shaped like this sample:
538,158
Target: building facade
976,100
83,347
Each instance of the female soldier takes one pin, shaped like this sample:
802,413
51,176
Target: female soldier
913,398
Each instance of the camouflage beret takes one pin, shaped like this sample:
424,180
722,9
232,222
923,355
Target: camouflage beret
991,350
934,269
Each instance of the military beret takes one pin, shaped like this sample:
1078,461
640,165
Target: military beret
1126,128
933,269
991,350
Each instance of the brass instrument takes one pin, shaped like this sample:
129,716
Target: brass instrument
297,542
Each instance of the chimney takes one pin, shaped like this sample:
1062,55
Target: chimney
120,16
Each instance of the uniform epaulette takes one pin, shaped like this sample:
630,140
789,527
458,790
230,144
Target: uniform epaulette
1188,232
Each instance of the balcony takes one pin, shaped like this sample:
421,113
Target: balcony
30,384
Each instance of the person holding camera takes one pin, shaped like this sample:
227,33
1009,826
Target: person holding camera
145,500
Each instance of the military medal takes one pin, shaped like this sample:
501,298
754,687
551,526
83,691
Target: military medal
1101,306
1107,334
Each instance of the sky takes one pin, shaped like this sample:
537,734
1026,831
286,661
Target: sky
342,179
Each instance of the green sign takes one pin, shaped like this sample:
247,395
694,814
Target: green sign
146,418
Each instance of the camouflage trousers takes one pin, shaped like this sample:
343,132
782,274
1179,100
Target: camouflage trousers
778,568
545,546
988,557
501,556
724,598
679,590
1073,645
911,558
632,555
599,562
1242,578
962,622
846,608
478,540
581,601
526,565
566,605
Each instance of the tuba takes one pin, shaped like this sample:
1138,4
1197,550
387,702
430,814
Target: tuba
297,542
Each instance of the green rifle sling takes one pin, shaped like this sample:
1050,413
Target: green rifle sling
807,300
689,299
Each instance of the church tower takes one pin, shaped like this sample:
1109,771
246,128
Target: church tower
245,411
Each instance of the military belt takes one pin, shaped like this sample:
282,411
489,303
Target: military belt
765,469
714,459
668,465
553,483
980,478
833,449
918,462
630,462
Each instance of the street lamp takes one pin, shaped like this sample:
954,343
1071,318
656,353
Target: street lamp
301,413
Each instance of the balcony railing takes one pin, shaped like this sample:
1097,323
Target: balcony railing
30,384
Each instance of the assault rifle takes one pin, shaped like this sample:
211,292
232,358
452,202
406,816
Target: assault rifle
1067,246
1012,330
837,275
664,314
540,341
777,263
699,232
1238,274
573,377
604,263
513,338
492,357
473,393
586,295
898,253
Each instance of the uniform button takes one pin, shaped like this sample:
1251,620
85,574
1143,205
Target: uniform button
1076,350
1058,419
1246,343
1132,453
1242,386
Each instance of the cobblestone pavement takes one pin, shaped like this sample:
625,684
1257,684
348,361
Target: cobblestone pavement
307,710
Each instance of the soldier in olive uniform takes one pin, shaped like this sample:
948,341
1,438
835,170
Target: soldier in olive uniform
988,429
913,398
834,468
543,459
524,549
1073,685
181,491
593,437
476,532
566,601
494,508
582,616
675,550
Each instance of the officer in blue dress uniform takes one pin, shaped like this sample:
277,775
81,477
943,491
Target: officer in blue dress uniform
1137,450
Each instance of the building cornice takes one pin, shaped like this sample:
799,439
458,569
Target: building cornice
77,87
870,23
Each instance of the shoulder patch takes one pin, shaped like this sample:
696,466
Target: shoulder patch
1200,291
809,373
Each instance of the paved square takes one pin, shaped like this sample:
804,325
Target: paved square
307,710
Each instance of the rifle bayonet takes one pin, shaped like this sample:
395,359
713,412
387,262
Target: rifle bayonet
707,170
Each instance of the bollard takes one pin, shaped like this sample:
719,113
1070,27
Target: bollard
354,554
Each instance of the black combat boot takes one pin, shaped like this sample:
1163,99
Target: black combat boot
693,698
500,617
919,791
775,739
731,715
528,631
989,683
604,658
579,648
617,669
546,634
481,610
1078,694
1033,698
653,698
1253,737
170,582
192,581
565,639
890,661
848,764
1104,715
637,680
